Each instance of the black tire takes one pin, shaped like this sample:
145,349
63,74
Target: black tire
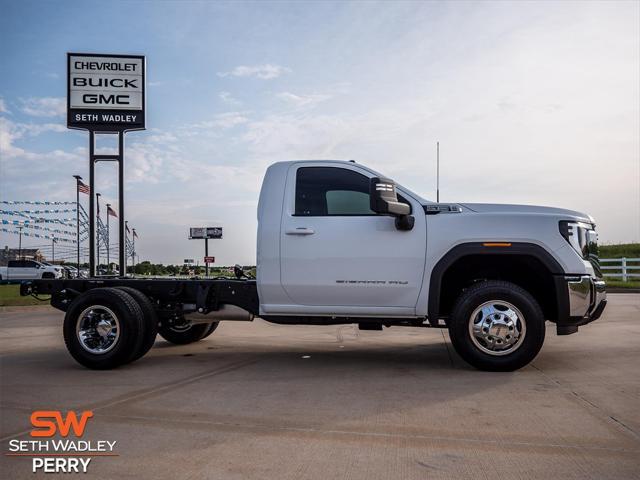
495,290
129,316
210,330
183,335
47,275
149,324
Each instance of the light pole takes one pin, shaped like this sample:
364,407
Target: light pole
20,227
98,230
78,178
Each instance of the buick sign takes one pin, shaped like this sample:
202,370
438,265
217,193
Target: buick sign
105,93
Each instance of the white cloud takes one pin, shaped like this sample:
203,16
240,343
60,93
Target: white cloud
221,121
227,98
44,106
34,129
266,71
300,101
3,106
26,173
10,132
8,135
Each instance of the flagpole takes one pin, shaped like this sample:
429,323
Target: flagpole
133,250
438,172
78,178
126,237
108,243
98,230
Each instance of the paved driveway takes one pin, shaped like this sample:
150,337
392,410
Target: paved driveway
265,401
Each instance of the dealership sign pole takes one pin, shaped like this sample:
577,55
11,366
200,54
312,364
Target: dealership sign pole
106,95
199,233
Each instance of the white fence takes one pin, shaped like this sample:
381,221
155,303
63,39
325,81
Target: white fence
623,268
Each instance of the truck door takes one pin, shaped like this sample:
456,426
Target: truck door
32,269
18,270
340,258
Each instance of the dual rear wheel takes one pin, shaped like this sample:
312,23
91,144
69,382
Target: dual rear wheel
108,327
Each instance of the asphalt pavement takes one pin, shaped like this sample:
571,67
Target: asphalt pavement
263,401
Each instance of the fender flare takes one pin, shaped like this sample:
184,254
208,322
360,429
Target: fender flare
479,248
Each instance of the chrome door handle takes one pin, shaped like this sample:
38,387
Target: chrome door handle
300,231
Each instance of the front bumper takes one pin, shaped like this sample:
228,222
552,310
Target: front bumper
586,300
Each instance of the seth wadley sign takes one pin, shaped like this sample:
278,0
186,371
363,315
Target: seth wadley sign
106,92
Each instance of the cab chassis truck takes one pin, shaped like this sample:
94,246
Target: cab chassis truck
338,243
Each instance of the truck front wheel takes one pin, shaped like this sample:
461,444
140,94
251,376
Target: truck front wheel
186,333
497,326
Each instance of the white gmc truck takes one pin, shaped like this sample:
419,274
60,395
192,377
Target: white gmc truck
338,243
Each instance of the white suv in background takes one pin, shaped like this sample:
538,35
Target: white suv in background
29,270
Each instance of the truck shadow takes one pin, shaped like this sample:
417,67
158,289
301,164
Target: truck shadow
407,356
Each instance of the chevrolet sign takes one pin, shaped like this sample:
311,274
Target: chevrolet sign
105,93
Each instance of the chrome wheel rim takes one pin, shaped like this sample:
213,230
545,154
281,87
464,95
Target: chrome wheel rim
98,329
497,327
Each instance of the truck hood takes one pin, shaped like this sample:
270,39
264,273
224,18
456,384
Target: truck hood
526,209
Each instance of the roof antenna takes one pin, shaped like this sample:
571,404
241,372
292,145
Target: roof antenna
437,172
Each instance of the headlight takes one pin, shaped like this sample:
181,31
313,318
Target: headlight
581,236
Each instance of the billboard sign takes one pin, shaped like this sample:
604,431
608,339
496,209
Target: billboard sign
105,93
205,233
189,261
214,232
209,259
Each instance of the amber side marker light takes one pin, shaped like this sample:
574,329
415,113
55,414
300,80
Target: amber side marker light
496,244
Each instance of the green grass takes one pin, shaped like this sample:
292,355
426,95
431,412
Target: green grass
614,283
10,297
629,250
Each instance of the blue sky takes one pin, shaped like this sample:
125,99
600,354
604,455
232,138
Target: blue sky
532,102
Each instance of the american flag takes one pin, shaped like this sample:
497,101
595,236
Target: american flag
83,187
127,227
112,212
135,235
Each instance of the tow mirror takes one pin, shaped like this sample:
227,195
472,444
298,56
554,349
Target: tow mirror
384,200
382,192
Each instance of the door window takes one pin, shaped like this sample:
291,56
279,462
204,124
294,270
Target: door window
324,191
333,191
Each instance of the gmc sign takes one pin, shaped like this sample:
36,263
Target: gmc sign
105,93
